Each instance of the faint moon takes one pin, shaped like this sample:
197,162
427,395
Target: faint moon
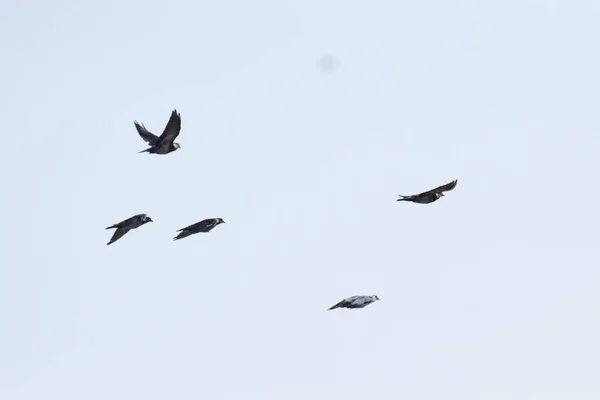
328,63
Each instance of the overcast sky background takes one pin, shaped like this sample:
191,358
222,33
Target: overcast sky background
489,293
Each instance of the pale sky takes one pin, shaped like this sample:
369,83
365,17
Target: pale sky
491,293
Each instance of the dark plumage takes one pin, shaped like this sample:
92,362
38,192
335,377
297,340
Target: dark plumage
431,195
163,144
125,226
202,226
355,302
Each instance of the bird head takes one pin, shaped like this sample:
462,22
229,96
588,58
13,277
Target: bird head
220,220
375,298
438,195
148,219
176,146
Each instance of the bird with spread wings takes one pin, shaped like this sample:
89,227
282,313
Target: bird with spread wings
355,302
431,195
203,226
126,225
163,144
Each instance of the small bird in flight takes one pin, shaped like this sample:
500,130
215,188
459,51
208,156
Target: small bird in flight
431,195
125,226
355,302
202,226
163,144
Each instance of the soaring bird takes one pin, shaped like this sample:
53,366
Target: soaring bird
355,302
125,226
163,144
431,195
202,226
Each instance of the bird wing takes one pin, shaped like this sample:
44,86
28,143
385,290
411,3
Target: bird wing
171,130
189,227
358,301
118,234
145,133
202,226
209,224
440,189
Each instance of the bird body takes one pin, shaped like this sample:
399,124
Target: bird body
162,144
422,198
355,302
431,195
161,150
126,225
203,226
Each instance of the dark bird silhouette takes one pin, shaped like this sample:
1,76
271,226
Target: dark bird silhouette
163,144
431,195
125,226
355,302
203,226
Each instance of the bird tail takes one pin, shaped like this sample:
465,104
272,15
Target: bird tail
402,198
110,227
338,305
143,151
182,235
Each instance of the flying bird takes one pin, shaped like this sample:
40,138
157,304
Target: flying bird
355,302
431,195
125,226
163,144
202,226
